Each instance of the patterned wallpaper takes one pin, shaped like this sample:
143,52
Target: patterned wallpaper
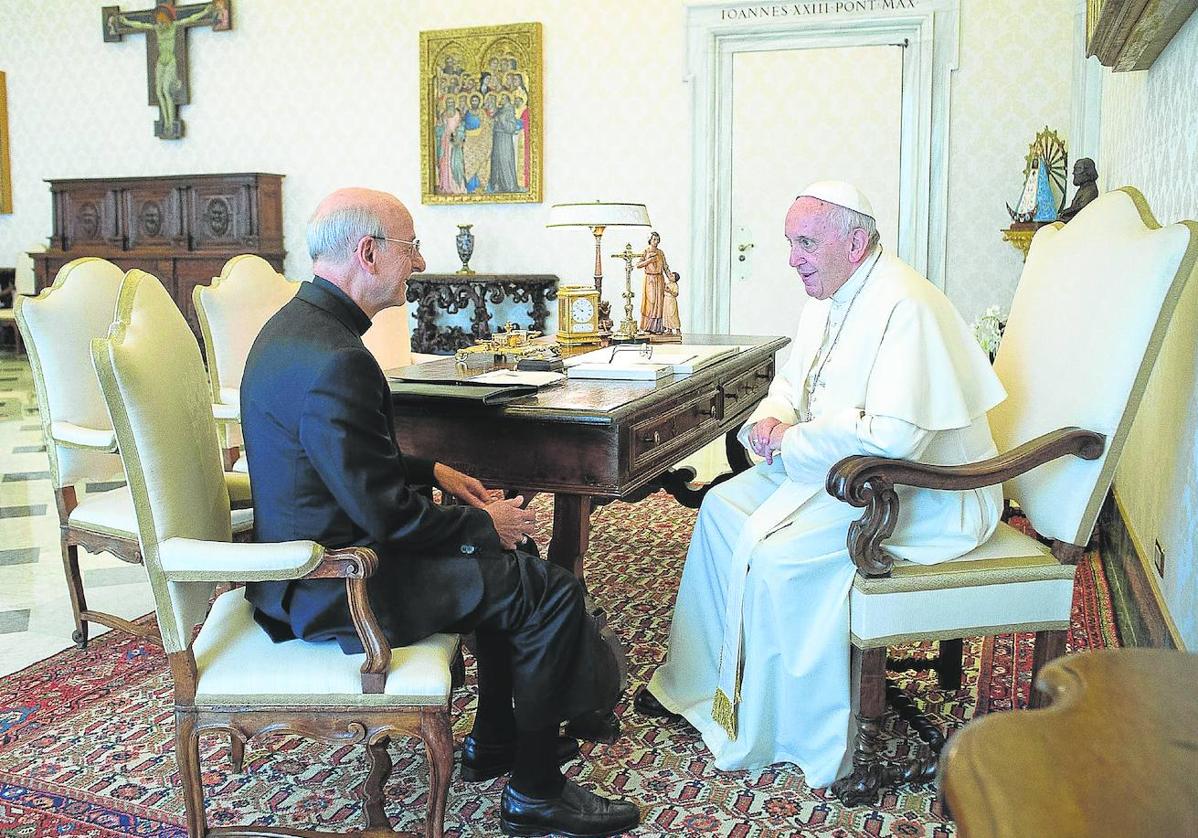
1150,140
1014,79
325,93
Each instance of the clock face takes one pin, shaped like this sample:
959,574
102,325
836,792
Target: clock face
581,311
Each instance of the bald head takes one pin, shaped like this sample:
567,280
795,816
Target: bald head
344,217
364,242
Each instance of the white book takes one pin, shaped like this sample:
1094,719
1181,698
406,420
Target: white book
533,377
689,358
681,358
620,371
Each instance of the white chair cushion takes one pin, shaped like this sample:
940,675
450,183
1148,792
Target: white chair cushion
237,663
230,395
106,513
111,513
242,466
1010,583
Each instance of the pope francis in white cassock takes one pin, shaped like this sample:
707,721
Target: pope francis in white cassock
882,365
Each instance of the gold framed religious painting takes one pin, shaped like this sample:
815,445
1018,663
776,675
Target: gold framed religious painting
5,171
481,122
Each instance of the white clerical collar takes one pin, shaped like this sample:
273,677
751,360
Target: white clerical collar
845,293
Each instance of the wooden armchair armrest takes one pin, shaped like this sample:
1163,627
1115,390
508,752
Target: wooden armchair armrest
869,482
355,565
193,560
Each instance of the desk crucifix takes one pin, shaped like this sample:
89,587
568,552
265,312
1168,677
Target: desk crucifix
166,50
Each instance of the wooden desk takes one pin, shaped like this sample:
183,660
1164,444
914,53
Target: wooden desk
587,439
1116,753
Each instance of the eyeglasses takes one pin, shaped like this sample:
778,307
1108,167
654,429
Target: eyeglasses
415,243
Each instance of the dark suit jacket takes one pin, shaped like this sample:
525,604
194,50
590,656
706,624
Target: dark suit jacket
318,424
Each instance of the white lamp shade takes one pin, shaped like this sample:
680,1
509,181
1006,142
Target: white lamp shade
598,214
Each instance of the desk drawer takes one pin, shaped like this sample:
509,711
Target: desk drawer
672,427
748,388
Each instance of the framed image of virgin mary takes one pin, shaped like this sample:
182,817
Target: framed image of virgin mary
481,123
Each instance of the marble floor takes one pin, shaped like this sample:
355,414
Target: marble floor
35,611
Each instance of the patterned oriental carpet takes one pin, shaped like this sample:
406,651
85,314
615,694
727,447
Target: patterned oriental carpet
86,738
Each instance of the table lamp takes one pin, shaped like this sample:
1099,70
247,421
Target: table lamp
599,215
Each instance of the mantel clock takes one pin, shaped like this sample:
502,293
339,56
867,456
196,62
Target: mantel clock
577,315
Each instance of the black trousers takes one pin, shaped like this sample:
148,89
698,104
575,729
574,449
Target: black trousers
531,619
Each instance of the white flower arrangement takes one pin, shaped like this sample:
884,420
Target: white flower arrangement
988,328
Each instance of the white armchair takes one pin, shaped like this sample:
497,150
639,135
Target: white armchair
58,326
1086,324
232,677
232,310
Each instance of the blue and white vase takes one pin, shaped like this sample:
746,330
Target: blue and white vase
465,242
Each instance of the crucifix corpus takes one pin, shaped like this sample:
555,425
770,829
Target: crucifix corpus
629,331
165,27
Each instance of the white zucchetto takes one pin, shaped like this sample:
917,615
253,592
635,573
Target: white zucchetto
840,193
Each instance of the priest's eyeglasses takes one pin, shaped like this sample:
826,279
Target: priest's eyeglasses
414,243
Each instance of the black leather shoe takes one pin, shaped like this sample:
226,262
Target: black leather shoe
482,761
596,726
646,704
576,813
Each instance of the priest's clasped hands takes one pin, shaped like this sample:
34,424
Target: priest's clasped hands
511,521
765,437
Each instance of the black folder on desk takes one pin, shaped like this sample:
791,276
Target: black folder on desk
478,392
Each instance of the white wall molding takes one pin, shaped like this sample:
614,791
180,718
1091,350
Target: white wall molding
716,32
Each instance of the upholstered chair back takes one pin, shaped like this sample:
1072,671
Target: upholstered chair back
58,326
389,339
157,394
233,310
1085,328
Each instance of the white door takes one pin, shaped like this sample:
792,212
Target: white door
801,115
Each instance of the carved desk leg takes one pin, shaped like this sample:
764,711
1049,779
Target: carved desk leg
571,532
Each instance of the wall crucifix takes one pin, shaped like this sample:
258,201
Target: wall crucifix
165,27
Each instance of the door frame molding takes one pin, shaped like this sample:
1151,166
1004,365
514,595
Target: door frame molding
715,32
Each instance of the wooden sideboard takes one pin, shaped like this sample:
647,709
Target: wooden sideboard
180,228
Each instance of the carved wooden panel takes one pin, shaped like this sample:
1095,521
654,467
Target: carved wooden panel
180,228
153,216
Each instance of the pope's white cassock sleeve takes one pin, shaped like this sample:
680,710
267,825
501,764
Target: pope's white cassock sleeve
762,615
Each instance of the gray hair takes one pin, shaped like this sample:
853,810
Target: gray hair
333,236
847,220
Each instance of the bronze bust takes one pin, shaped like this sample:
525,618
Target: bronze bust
1085,176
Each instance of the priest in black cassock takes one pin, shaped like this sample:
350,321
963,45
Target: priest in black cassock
318,425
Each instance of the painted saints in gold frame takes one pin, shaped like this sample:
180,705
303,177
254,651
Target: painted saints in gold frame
480,114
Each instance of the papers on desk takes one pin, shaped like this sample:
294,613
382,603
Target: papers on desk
620,371
532,378
646,362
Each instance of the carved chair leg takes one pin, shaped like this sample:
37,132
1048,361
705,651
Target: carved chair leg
1049,645
438,748
70,566
372,791
948,666
187,755
865,781
236,753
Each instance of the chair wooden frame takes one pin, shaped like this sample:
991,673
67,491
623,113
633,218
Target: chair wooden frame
869,483
144,395
125,549
331,724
